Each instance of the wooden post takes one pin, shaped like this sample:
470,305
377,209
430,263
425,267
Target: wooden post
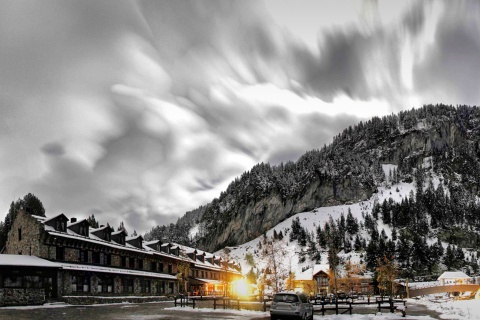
238,304
214,303
193,302
391,306
264,305
336,305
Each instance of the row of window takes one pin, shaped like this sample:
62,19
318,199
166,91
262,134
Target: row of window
102,258
82,283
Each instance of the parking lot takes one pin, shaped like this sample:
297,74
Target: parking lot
146,311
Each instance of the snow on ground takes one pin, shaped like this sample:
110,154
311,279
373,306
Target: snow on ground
378,316
464,309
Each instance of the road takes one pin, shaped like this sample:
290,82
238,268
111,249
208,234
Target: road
160,310
146,311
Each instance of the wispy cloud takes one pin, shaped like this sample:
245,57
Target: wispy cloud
140,111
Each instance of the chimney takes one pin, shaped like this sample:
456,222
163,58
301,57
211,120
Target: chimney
73,220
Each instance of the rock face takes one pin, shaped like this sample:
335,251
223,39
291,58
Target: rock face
255,217
442,139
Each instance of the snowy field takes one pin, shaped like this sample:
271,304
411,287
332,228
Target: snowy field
462,310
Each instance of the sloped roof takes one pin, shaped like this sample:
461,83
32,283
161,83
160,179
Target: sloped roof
15,260
309,273
453,275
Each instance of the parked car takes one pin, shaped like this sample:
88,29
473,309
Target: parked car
291,305
341,295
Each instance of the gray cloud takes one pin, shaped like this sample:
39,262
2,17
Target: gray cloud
140,111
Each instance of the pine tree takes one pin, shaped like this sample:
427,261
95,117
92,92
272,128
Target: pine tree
352,224
33,205
92,221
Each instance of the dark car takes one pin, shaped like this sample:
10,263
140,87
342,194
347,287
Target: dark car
287,305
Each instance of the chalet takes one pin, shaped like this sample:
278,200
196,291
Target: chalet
316,281
67,257
454,277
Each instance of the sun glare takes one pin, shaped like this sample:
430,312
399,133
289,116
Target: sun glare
240,287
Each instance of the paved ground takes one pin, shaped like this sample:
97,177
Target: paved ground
154,311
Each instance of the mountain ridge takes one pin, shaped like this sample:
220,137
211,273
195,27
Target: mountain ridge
347,170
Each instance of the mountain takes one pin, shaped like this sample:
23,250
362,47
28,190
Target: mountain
435,140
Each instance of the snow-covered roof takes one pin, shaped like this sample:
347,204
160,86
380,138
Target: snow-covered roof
133,238
55,217
119,231
309,273
76,222
82,267
453,275
15,260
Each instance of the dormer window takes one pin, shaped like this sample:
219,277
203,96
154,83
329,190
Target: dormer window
60,225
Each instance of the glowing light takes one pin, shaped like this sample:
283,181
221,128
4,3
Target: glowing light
240,287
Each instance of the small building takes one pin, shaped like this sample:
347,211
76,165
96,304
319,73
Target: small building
454,277
316,281
26,280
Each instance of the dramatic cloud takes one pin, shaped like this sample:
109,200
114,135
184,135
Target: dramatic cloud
140,111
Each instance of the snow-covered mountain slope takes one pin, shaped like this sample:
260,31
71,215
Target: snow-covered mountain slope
319,216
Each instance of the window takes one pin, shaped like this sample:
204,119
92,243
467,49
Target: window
105,284
83,255
80,283
170,268
13,282
202,275
108,259
170,287
161,287
83,230
140,264
153,266
19,234
60,253
160,267
59,225
127,285
145,286
32,282
131,263
96,257
123,261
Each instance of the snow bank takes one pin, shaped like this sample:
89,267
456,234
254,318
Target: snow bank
465,309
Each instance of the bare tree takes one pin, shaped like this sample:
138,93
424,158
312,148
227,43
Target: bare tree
276,269
183,269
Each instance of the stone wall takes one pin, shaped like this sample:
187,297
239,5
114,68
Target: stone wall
21,297
29,242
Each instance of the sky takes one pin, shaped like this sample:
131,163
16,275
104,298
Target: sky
138,111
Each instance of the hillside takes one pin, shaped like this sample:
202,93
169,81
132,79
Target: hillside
439,140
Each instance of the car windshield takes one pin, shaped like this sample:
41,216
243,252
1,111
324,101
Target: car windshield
285,298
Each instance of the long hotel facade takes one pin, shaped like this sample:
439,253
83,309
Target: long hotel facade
62,258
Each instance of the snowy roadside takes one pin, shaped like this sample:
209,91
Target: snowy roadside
377,316
465,310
